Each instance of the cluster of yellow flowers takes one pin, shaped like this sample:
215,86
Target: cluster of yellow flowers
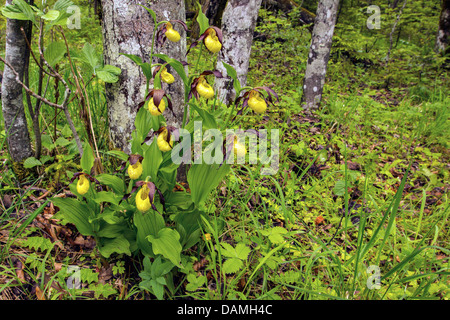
156,105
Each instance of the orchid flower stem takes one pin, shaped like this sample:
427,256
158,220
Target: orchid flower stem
232,108
151,57
151,51
229,115
214,103
198,59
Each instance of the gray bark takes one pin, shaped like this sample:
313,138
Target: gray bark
128,28
238,24
16,54
443,36
319,53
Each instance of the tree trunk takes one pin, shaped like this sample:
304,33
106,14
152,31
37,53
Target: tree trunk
443,36
16,54
319,53
213,10
128,28
238,25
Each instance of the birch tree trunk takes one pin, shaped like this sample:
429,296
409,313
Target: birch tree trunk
238,24
319,53
16,54
128,28
443,36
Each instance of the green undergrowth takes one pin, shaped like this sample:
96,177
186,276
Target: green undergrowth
358,208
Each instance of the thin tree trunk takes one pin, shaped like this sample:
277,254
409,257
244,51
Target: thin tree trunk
319,53
16,54
238,25
443,36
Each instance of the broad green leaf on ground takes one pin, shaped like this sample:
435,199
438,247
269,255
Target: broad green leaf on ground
275,234
107,196
31,162
38,243
236,256
62,142
149,223
115,245
339,188
111,181
75,212
152,276
204,178
195,282
167,243
102,290
232,265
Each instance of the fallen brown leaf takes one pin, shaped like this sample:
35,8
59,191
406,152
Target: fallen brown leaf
40,294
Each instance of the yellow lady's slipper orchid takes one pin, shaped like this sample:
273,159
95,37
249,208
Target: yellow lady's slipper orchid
162,143
154,110
171,33
256,103
212,41
142,199
167,77
82,185
239,148
204,89
135,170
